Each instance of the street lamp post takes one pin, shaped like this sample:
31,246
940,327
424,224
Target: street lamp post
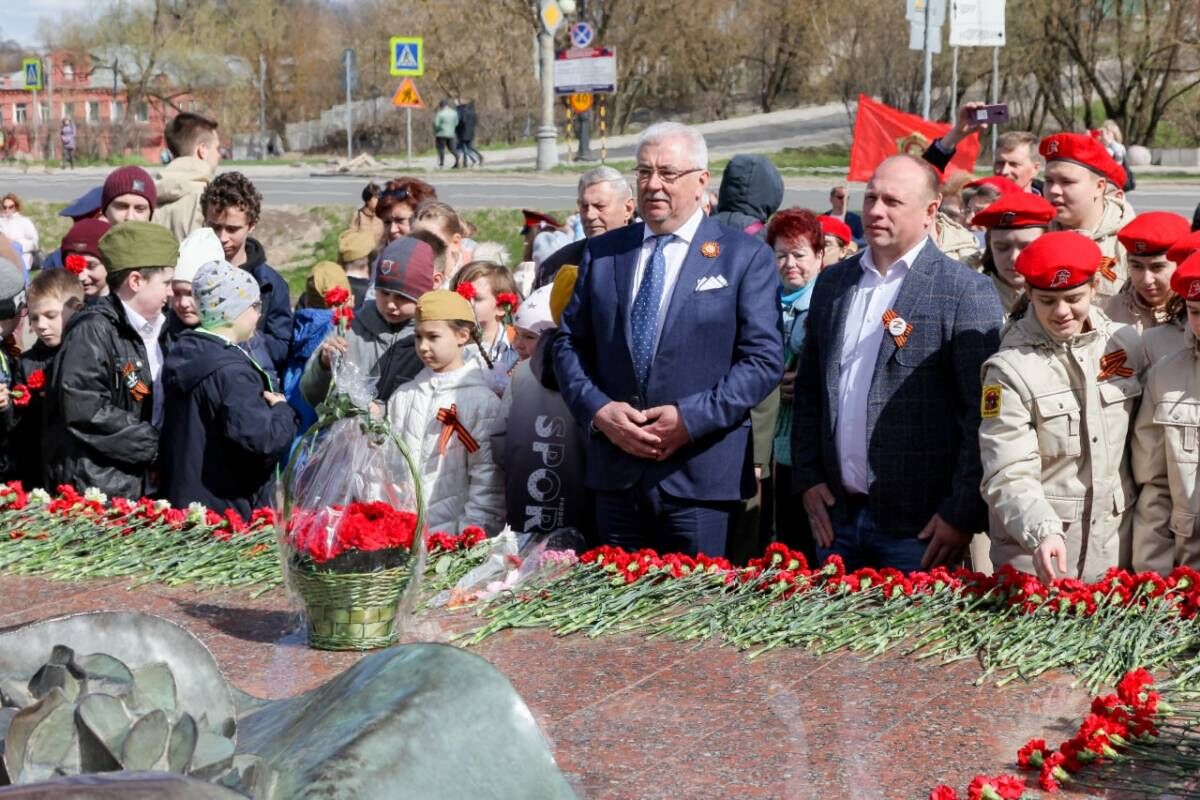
547,134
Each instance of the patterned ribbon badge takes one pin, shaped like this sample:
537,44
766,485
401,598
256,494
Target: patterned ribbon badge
449,418
1106,269
138,389
895,325
1113,364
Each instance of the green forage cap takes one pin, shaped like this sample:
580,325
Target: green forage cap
133,245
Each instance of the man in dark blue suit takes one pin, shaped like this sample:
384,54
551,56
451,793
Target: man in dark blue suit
885,437
671,338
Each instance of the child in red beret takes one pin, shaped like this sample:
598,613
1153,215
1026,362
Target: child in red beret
1056,411
1164,451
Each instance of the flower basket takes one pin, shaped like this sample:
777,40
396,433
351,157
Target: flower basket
348,610
352,528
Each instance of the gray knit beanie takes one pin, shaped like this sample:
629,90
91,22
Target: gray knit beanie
223,292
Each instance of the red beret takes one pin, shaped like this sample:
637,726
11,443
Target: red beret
1184,247
1153,233
84,237
1059,260
1185,281
536,219
832,226
1085,151
998,182
1021,210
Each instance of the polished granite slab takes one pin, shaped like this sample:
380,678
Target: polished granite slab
634,719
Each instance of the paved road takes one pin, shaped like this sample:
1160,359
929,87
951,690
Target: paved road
482,190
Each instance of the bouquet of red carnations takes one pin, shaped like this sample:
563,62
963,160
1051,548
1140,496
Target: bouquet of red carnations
353,538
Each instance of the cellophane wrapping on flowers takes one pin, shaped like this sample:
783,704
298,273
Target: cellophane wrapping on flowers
350,503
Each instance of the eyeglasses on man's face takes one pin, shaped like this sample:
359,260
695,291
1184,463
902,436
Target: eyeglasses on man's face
666,174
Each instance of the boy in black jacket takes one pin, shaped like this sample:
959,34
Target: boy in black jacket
232,207
53,298
226,426
12,308
104,406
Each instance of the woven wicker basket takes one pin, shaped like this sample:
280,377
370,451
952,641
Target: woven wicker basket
351,611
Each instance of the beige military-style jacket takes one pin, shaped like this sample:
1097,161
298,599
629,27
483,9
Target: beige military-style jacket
1166,464
1117,213
1164,340
1128,308
1053,440
955,240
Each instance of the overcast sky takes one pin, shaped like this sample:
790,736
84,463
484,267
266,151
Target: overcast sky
20,19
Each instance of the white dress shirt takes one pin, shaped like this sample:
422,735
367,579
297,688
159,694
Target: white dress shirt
874,294
149,332
674,252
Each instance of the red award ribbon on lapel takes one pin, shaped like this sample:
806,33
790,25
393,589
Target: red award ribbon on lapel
449,418
895,325
1113,364
1106,269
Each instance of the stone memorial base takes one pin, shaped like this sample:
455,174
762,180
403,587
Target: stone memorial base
627,718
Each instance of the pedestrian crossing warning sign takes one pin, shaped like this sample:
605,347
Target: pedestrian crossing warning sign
408,56
406,96
33,74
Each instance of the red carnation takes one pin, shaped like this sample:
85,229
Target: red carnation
37,379
467,290
508,301
336,296
943,792
20,395
75,263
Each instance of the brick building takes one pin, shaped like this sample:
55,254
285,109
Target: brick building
95,98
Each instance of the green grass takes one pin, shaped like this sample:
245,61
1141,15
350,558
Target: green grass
51,228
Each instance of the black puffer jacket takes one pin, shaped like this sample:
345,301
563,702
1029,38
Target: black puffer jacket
751,191
221,440
99,430
31,426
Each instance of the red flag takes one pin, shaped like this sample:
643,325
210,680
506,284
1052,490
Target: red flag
881,131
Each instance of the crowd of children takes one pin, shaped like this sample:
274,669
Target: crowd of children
154,365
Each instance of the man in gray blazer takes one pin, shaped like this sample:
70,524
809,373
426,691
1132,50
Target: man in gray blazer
885,443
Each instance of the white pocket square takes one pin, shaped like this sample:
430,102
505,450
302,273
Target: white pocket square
711,282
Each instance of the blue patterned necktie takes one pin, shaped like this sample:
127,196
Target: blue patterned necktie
643,322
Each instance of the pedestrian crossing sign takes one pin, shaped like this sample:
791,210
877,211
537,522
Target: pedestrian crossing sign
408,56
32,67
407,96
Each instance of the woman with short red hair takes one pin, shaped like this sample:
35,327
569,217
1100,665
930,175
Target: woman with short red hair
796,237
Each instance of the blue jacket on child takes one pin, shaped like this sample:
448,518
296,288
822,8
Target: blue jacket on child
309,329
221,440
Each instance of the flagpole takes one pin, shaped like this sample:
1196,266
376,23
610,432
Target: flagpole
928,63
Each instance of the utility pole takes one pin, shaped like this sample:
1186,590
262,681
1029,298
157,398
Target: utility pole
585,139
547,134
48,67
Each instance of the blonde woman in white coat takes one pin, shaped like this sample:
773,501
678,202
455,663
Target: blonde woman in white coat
446,416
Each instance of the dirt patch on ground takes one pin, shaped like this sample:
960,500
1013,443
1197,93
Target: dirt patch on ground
296,237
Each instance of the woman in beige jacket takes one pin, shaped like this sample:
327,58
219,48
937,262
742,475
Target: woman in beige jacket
1057,406
1166,453
1012,222
1146,300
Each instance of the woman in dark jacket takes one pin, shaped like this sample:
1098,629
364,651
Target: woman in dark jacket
225,428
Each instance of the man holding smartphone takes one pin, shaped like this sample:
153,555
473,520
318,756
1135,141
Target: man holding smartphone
1016,151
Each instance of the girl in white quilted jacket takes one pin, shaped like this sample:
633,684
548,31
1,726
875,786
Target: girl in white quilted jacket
446,416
